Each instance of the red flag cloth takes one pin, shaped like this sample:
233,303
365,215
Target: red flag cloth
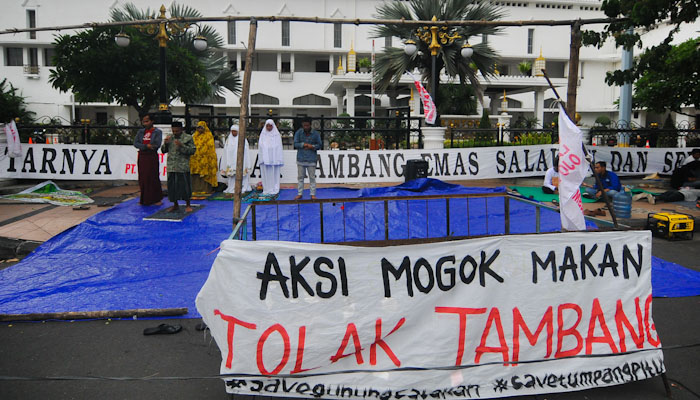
429,109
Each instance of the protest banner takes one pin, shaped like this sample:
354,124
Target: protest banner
480,318
104,162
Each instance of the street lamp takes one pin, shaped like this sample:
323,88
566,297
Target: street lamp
162,32
435,37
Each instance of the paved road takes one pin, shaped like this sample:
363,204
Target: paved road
118,349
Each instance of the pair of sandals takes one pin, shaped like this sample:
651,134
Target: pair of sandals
598,212
162,329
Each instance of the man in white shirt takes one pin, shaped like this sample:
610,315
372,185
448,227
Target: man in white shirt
551,179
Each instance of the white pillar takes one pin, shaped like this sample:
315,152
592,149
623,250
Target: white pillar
291,62
238,61
350,94
279,62
339,106
331,67
539,106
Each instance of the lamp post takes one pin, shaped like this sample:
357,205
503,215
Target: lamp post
435,37
162,32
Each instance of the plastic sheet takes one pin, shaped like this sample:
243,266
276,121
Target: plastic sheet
115,260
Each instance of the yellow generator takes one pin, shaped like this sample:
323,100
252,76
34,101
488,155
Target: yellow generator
671,226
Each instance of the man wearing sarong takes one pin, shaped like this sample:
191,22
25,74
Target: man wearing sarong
229,159
148,140
271,158
203,164
179,147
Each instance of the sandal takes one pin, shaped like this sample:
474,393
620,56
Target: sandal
162,329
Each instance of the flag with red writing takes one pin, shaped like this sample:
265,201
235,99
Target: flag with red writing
429,109
572,170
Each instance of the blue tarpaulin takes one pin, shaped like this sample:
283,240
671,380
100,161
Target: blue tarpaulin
116,261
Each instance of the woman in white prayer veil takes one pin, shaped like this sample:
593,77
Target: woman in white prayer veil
228,162
270,157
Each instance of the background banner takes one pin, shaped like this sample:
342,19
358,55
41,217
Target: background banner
488,317
102,162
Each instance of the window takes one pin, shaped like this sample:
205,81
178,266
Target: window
31,22
48,57
285,33
387,42
231,32
530,40
311,100
101,118
322,66
14,57
34,57
337,35
286,66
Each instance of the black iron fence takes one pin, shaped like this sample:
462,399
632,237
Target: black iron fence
641,137
499,136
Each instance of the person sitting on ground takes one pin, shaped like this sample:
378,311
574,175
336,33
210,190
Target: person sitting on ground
203,164
180,147
551,178
610,181
688,175
228,163
307,141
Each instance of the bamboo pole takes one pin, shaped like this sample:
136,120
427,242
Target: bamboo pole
358,21
139,312
243,119
572,85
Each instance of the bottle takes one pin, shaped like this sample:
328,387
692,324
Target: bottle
622,204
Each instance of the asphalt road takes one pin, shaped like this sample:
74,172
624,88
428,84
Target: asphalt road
115,349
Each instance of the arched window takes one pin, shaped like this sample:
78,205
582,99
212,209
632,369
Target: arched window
311,100
260,98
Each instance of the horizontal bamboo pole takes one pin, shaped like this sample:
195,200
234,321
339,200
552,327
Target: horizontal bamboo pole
139,312
319,20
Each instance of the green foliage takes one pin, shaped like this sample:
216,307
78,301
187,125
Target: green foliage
646,14
456,100
485,122
665,81
91,65
393,62
525,67
12,105
364,62
603,120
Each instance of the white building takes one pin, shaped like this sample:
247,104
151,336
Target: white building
295,65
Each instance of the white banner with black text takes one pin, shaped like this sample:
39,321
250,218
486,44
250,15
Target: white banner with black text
103,162
480,318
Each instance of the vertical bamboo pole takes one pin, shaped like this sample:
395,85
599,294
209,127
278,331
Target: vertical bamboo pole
571,89
243,119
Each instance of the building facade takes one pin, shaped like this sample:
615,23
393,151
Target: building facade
302,68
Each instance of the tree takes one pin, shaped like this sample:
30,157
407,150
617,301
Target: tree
95,69
666,82
645,14
12,105
456,100
393,62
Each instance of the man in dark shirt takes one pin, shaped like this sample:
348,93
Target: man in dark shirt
610,181
307,141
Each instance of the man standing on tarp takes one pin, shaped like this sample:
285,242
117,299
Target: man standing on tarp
148,140
307,141
179,148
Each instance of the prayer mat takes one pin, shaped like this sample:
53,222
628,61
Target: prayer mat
536,193
177,216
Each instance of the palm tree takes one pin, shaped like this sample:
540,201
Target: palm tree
393,62
216,70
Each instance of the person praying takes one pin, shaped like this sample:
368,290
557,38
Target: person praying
179,147
148,141
203,164
271,158
229,160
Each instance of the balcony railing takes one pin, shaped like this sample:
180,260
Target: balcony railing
286,76
31,70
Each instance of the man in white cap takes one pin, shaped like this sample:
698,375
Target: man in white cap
270,157
229,160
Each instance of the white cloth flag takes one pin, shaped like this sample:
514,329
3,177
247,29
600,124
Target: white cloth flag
572,170
428,105
14,148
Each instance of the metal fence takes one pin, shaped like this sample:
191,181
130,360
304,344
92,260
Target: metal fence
369,221
499,136
641,137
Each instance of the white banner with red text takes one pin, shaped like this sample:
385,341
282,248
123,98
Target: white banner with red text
480,318
103,162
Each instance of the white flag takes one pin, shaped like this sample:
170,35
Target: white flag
573,168
429,108
14,148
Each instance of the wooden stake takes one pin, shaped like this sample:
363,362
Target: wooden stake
243,119
139,312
